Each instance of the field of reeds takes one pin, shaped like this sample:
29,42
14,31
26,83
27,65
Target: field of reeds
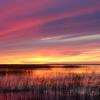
56,82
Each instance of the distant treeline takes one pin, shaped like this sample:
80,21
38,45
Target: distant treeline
30,66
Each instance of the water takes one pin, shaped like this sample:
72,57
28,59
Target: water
53,83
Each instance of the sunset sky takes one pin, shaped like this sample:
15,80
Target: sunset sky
49,31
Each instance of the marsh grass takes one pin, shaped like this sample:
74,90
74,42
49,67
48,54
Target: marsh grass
47,82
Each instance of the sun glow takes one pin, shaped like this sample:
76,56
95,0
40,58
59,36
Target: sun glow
43,59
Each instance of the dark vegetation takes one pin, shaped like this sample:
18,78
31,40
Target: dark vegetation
31,66
17,83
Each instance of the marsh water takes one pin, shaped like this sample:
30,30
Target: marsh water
53,83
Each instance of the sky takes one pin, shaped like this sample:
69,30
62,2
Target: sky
49,31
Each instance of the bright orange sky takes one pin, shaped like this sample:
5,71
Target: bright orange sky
49,31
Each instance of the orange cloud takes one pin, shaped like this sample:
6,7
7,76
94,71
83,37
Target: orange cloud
53,56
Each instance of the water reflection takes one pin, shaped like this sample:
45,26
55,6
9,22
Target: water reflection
78,83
